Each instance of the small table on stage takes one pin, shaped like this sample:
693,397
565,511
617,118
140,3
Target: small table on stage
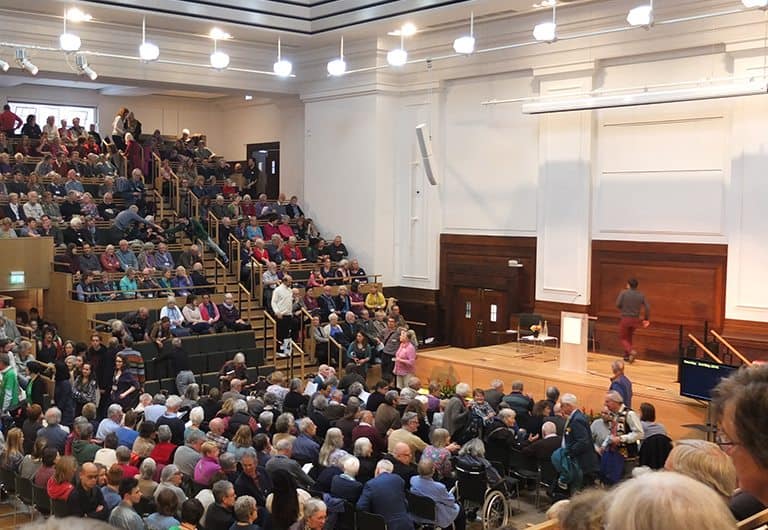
504,333
541,340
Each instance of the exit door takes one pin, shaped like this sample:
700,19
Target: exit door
476,314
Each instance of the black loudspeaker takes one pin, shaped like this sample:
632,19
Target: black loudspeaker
425,147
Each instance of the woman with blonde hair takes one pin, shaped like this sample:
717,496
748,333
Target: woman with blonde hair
331,451
13,454
241,442
704,462
668,501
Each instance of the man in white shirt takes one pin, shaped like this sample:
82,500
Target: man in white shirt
32,208
282,307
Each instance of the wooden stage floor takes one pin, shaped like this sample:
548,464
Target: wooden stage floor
538,368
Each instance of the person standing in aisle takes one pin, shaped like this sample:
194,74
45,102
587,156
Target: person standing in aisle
630,302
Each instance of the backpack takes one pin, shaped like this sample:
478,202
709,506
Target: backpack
473,429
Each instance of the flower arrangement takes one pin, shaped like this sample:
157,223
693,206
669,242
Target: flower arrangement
447,389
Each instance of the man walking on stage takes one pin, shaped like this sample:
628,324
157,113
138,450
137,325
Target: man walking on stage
629,302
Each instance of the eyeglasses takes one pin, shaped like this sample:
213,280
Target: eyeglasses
724,442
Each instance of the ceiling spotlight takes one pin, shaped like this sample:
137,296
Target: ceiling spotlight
147,51
218,34
546,31
466,44
219,60
337,66
82,67
398,56
755,3
69,42
74,14
24,63
4,66
282,68
408,29
641,16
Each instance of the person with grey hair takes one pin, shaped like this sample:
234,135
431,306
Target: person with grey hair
620,382
578,439
253,480
187,456
156,409
305,447
246,512
502,436
387,417
666,500
456,414
521,403
315,516
346,486
265,420
221,514
172,420
383,495
447,511
405,434
495,394
53,432
319,416
282,460
228,464
626,429
542,447
112,422
171,479
147,470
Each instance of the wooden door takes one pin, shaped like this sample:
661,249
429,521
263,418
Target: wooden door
476,313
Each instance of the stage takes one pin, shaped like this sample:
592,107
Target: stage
538,368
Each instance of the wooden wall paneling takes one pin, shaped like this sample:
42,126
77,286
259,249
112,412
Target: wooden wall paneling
750,338
684,284
482,262
419,305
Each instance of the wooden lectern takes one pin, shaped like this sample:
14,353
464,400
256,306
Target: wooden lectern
574,339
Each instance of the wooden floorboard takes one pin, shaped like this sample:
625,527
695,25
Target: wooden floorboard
538,368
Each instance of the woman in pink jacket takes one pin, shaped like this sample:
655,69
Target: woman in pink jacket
405,358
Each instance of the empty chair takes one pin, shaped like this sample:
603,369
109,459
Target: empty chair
370,521
41,499
422,509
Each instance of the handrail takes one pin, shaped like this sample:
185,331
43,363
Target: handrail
213,222
156,170
341,352
302,363
257,268
159,196
194,202
268,317
233,244
705,349
733,350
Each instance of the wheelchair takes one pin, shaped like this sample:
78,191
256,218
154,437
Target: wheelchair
474,493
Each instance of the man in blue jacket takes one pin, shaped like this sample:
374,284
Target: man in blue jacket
577,439
385,495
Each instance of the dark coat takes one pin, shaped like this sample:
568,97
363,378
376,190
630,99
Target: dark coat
384,496
578,442
343,488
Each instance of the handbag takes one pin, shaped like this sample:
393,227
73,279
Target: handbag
611,466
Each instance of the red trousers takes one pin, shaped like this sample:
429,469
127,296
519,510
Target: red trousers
627,327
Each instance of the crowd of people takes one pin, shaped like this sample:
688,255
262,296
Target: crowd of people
292,453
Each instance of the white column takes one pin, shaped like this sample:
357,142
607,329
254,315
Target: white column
564,197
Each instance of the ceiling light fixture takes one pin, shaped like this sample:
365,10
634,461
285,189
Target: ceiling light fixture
641,15
24,63
633,99
219,60
219,34
408,29
338,66
69,42
762,4
74,14
466,44
547,31
4,66
147,51
282,68
248,97
398,56
83,68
